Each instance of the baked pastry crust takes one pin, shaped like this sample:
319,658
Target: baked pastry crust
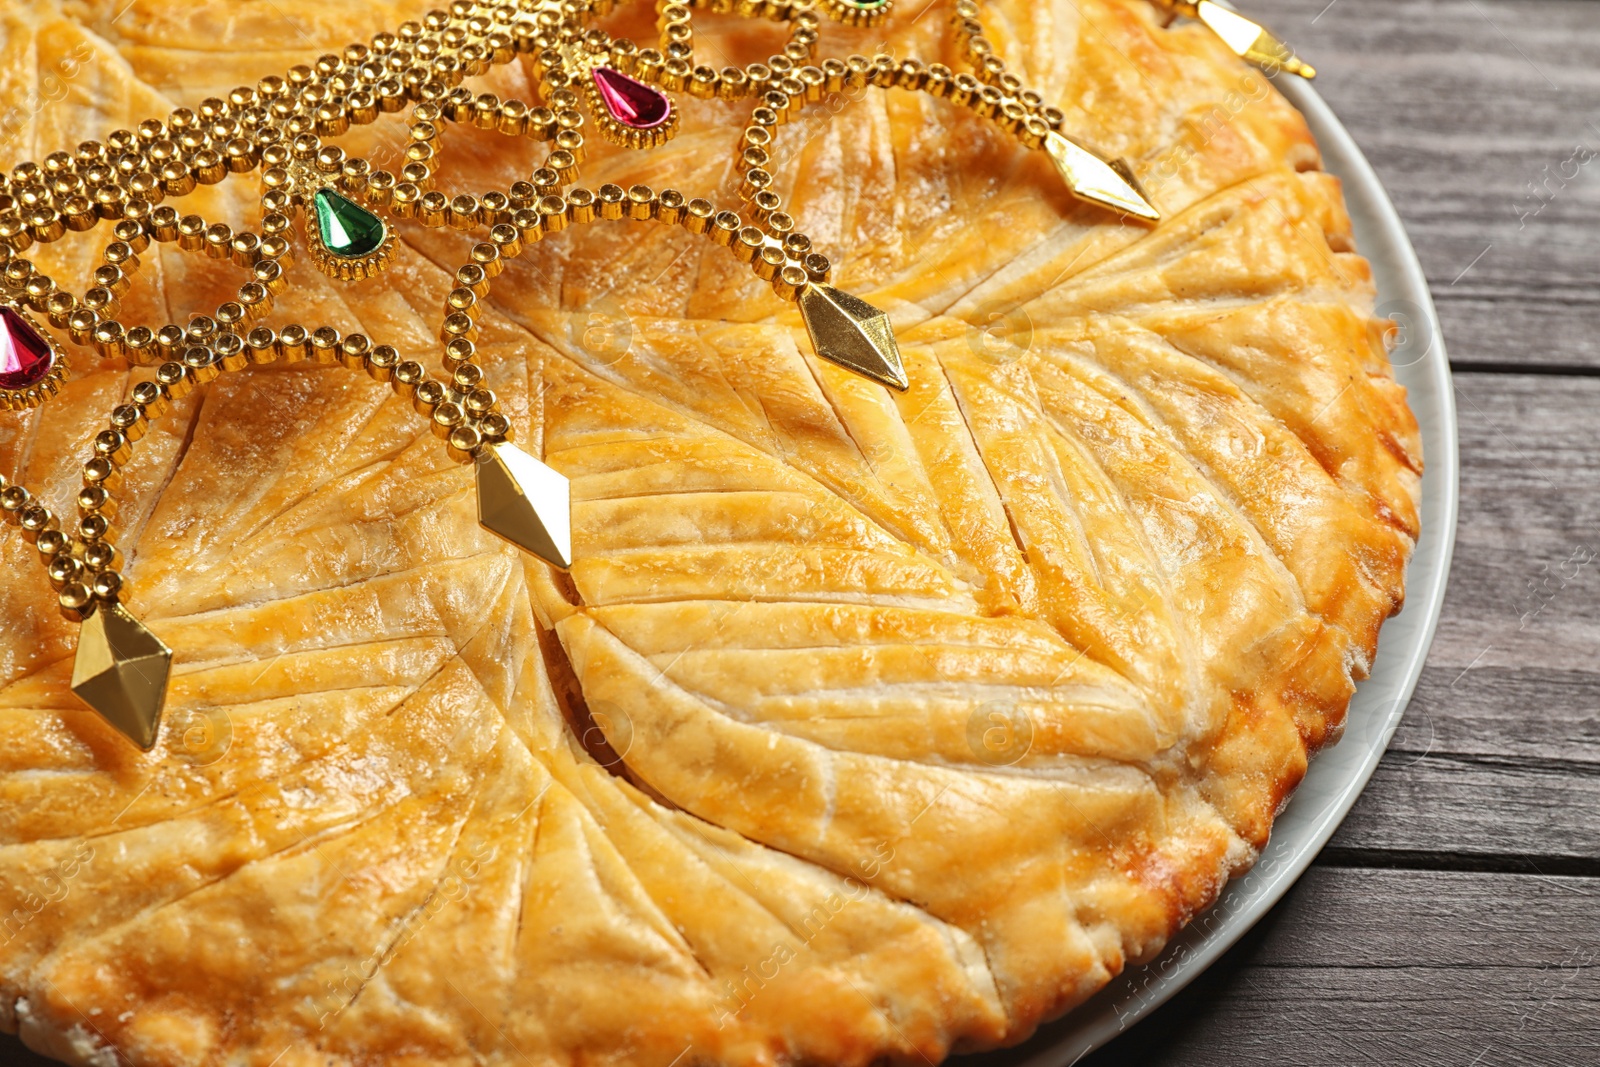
726,795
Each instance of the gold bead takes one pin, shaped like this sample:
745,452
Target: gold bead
101,555
463,212
354,351
463,443
107,340
13,498
110,276
107,586
508,239
148,396
271,274
747,244
174,380
480,402
641,203
201,330
35,519
78,214
294,344
458,325
553,213
432,209
494,207
765,203
229,347
75,600
406,377
63,571
210,166
670,207
98,471
255,300
58,306
724,228
427,396
94,528
769,261
790,280
613,201
529,223
94,499
103,302
697,215
52,543
325,345
201,363
278,249
445,416
382,363
163,224
245,250
46,225
112,445
129,420
262,343
191,233
462,300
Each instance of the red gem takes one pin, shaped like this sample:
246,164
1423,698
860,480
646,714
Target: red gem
26,358
632,103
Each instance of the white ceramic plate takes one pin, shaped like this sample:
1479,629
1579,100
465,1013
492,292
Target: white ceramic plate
1338,774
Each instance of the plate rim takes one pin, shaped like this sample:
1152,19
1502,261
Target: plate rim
1338,774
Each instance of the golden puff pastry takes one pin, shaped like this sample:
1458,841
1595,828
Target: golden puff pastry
866,725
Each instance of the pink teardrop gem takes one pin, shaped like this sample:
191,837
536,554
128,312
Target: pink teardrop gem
632,103
26,358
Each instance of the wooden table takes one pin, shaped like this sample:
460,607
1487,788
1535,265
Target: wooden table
1455,917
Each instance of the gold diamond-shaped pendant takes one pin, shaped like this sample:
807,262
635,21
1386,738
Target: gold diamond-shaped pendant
121,672
1106,183
525,502
852,333
1250,40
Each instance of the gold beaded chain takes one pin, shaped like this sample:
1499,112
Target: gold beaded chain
278,127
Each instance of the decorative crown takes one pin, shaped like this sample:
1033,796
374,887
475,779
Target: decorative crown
281,128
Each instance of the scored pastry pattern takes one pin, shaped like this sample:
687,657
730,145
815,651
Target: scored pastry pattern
278,127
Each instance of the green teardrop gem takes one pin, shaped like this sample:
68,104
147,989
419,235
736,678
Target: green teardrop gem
348,229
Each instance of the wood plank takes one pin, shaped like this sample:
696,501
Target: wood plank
1521,595
1460,105
1499,754
1390,967
1475,813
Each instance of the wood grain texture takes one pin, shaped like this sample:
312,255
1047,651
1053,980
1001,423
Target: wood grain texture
1499,753
1392,967
1470,110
